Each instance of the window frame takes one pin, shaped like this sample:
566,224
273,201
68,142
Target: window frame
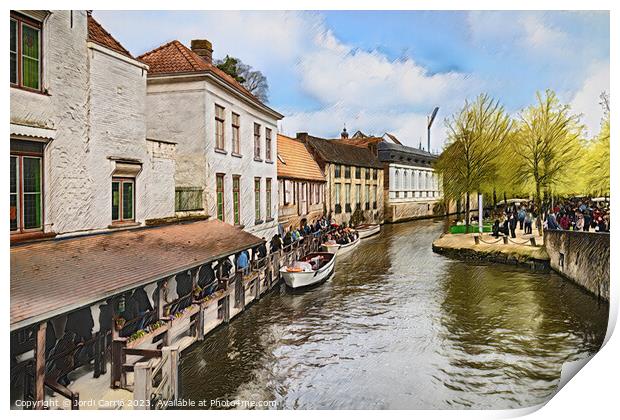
124,180
236,190
268,143
22,20
236,132
257,200
268,191
257,138
220,121
19,194
219,197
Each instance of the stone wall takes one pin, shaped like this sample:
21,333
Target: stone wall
582,257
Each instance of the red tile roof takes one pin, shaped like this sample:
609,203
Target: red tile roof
174,57
296,161
53,277
98,35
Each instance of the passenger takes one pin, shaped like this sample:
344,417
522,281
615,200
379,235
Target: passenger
243,262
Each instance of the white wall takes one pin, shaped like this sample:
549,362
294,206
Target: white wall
67,186
95,103
184,112
118,130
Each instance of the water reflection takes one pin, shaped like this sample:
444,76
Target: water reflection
401,327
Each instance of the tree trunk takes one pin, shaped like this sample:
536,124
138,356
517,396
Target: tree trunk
467,212
494,202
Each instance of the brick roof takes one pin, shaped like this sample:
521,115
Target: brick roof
174,57
361,141
295,161
336,151
53,277
98,35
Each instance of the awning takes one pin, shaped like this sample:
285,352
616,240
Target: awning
54,277
27,132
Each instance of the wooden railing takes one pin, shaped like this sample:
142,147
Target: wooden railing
157,380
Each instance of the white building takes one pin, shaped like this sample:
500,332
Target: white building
412,186
226,138
78,124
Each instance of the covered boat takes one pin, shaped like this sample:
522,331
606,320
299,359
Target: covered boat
310,270
339,249
365,231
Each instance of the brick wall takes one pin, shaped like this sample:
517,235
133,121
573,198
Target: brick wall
582,257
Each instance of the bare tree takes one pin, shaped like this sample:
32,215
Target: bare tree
253,80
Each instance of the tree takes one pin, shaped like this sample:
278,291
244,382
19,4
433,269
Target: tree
476,136
596,162
547,145
253,80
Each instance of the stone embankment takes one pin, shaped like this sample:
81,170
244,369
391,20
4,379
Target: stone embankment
518,251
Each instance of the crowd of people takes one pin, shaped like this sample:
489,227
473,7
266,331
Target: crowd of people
577,214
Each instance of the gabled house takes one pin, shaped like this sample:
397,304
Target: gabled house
301,184
354,180
226,138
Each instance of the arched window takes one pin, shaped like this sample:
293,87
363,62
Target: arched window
397,180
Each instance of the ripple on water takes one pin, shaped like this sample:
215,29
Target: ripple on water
398,326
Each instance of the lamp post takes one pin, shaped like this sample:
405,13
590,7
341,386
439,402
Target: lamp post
429,120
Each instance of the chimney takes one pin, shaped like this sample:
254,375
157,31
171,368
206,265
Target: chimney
203,48
303,136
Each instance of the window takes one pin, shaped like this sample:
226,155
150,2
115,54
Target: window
219,128
188,199
367,200
25,52
337,171
236,200
347,172
219,188
268,144
347,195
374,174
338,206
268,198
358,193
26,186
358,172
374,192
123,198
288,189
236,142
257,199
257,141
367,172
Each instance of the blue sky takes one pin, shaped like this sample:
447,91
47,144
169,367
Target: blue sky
384,71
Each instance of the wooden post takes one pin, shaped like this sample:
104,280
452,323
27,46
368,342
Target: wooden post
172,367
39,367
117,376
200,324
142,384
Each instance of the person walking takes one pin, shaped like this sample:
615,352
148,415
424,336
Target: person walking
528,223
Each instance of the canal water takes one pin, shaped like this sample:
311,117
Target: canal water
398,326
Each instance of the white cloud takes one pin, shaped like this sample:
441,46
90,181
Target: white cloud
587,100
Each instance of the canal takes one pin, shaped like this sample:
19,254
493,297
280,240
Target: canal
401,327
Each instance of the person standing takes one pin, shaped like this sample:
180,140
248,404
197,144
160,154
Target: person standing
513,225
521,218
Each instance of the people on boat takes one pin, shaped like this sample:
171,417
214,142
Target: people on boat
243,262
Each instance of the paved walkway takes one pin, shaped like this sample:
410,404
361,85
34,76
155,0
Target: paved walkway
519,246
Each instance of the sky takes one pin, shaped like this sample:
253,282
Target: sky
385,71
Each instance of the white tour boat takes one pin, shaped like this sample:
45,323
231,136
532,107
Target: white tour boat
367,230
312,269
338,249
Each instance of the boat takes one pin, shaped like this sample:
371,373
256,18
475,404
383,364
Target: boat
340,249
310,270
367,230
